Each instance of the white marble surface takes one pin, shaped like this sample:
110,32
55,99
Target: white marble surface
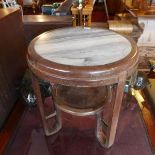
82,47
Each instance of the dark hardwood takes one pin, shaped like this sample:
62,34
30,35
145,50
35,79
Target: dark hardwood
37,24
12,59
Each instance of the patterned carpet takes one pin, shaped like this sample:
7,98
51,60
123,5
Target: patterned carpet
146,53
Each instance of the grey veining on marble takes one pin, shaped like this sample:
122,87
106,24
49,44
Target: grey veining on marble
82,47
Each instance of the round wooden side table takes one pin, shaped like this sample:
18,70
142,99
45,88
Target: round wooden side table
76,61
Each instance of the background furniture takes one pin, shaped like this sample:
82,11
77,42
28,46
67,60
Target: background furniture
37,24
144,13
142,19
82,16
12,59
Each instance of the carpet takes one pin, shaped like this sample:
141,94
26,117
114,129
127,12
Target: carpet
145,54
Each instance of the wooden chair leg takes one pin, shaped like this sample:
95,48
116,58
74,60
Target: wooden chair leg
55,115
74,21
106,9
89,20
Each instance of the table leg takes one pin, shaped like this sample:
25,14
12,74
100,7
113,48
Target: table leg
106,132
56,114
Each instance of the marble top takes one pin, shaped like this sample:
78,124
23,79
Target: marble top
82,47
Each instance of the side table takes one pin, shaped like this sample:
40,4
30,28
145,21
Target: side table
77,60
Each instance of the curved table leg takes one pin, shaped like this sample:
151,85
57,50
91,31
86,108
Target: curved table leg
105,133
55,115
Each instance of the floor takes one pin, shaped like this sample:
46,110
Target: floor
77,136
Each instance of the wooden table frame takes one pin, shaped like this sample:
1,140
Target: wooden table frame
90,76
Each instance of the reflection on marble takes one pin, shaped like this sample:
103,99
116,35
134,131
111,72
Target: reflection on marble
82,47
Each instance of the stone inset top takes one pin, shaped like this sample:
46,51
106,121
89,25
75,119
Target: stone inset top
82,47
